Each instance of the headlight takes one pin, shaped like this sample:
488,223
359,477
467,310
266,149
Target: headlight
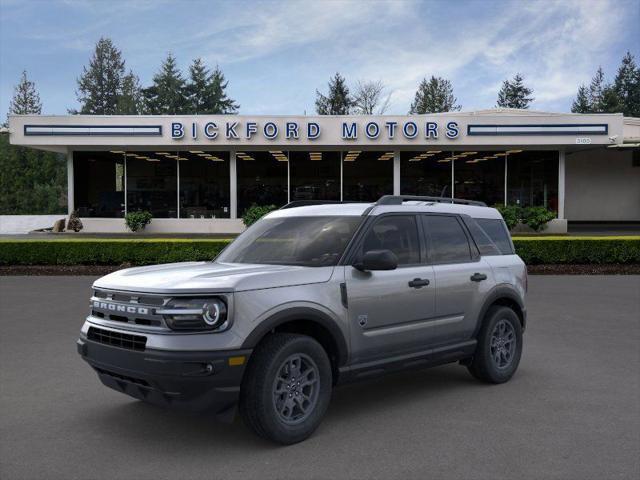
195,314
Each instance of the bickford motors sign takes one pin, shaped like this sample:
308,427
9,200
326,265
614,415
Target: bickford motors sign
295,130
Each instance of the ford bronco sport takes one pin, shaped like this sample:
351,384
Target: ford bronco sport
309,297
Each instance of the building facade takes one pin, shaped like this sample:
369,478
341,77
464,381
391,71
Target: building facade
201,173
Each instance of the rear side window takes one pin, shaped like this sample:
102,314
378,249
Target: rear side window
447,241
482,240
498,233
398,233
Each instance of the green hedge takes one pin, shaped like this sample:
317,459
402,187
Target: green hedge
107,251
533,250
578,250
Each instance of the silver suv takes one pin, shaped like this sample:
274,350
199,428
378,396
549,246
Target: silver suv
309,297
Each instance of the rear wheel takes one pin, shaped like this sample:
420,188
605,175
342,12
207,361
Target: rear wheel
287,388
499,346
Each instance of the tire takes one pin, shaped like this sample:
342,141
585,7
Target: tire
274,406
496,358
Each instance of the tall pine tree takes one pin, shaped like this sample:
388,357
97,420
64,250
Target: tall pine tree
130,100
627,86
167,95
206,92
338,100
433,96
596,92
100,85
514,94
25,98
581,104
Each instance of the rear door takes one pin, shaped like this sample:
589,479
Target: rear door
462,278
389,311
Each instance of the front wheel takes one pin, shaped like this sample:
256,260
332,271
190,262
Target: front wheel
499,346
287,388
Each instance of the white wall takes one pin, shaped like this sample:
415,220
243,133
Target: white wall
602,185
27,223
166,225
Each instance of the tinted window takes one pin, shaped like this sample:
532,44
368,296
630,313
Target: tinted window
481,239
497,231
398,234
448,242
305,241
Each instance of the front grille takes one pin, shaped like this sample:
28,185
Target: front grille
117,339
128,308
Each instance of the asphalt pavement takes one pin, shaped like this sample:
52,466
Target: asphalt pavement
571,412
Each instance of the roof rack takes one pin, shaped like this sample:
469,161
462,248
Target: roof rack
307,203
399,199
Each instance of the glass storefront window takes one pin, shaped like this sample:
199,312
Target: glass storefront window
99,184
204,184
152,183
262,179
532,178
479,175
366,176
314,175
426,172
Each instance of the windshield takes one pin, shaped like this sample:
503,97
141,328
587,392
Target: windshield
305,241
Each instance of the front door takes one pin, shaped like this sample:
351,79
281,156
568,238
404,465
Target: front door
389,311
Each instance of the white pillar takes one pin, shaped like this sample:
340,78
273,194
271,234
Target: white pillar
70,192
396,172
561,177
506,172
233,185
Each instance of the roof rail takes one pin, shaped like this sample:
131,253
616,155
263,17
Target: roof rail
307,203
399,199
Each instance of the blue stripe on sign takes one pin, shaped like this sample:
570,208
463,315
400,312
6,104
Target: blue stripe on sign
538,129
93,130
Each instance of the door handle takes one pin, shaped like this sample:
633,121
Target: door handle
418,283
478,277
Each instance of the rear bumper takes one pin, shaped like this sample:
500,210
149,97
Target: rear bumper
194,381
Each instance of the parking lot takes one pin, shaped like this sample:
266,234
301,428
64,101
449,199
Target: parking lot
572,410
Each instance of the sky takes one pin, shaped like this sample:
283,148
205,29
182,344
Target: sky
276,54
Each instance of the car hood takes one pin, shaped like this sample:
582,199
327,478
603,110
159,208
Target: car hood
204,277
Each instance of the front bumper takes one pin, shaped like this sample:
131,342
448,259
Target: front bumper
194,381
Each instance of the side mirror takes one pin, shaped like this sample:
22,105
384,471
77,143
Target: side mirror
377,260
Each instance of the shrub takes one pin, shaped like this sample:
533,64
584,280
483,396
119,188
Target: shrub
537,217
108,251
255,213
510,213
137,220
74,222
533,250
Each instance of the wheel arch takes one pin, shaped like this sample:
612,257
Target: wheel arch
306,321
505,296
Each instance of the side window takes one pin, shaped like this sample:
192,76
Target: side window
497,231
448,242
398,233
484,243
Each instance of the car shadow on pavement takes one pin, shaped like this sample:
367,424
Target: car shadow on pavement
150,426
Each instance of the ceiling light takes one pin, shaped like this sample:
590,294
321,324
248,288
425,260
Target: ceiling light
514,151
196,151
153,160
434,151
444,160
117,151
141,157
166,154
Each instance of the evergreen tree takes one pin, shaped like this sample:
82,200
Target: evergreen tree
206,91
433,96
338,100
596,92
581,104
25,98
514,94
167,94
627,86
130,100
99,86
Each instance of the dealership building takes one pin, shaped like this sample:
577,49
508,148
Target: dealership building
200,173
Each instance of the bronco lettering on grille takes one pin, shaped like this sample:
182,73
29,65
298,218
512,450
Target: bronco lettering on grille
115,307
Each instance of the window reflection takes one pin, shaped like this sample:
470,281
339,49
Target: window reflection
533,179
99,184
204,184
426,172
152,183
262,179
367,176
314,175
479,175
